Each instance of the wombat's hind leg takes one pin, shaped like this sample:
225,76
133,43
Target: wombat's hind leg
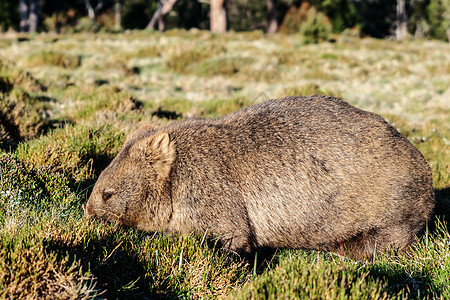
367,244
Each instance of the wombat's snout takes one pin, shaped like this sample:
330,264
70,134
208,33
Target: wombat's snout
88,213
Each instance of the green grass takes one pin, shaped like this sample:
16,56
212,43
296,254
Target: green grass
67,103
78,152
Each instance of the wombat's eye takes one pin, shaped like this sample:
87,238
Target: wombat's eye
107,194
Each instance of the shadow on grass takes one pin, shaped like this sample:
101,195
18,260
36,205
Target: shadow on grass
262,259
167,114
399,282
442,210
118,272
12,136
99,163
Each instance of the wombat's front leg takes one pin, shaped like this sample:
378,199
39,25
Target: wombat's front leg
240,244
237,239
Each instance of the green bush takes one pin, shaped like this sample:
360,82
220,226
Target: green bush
439,18
206,109
61,21
22,186
23,108
22,116
342,14
181,62
312,24
226,66
316,28
103,99
29,271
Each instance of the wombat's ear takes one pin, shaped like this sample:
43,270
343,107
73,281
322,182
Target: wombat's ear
161,150
160,143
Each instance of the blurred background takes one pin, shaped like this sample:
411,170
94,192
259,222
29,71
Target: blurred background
376,18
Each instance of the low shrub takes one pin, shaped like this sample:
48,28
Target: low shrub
28,271
23,185
313,25
226,66
80,152
105,98
181,62
53,58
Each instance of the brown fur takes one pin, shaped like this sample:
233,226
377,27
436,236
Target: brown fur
299,172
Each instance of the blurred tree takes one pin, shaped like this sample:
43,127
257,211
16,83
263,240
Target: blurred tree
377,17
136,14
246,15
218,16
342,13
294,18
164,6
272,26
90,10
439,19
417,22
189,14
28,11
117,15
401,20
9,18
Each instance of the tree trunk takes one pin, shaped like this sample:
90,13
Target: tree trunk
118,15
164,7
401,21
28,11
24,20
272,24
155,16
91,12
218,16
33,19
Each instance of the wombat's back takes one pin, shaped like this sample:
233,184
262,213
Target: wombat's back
300,172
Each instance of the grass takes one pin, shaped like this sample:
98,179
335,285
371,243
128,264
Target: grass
53,58
67,103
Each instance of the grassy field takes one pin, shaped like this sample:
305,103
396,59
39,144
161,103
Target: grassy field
67,104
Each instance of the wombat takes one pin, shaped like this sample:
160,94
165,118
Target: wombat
299,172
